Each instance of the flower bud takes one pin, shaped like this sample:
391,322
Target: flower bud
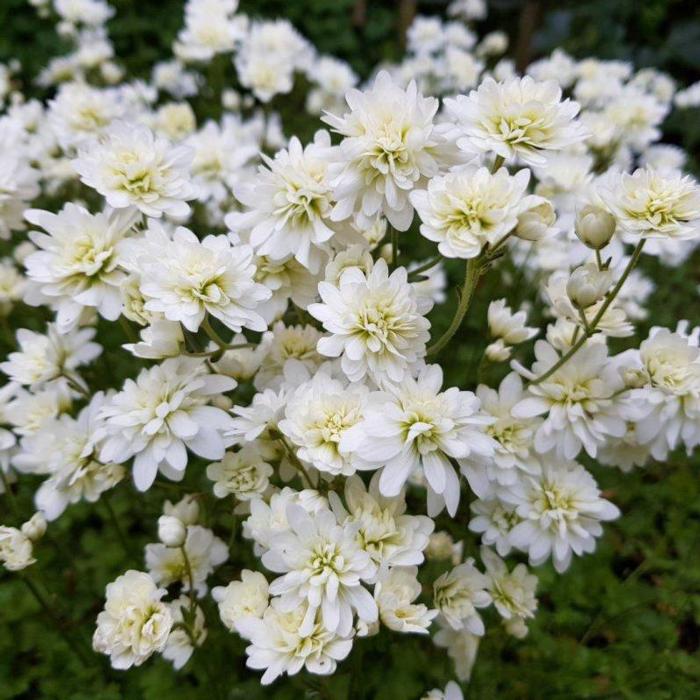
498,351
35,527
171,531
186,509
587,285
537,221
595,226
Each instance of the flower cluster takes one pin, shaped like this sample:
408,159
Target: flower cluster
286,371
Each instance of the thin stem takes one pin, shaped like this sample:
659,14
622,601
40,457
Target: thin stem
500,242
190,579
223,345
75,385
9,492
394,248
471,277
414,274
296,461
598,259
210,353
596,319
49,610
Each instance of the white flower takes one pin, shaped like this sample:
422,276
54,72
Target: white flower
35,527
171,531
244,474
191,278
464,210
391,145
289,205
16,551
65,450
512,592
651,204
518,119
130,166
452,690
164,411
134,623
77,261
462,647
204,552
513,439
384,530
279,645
416,426
245,598
395,593
374,323
322,564
457,595
317,415
27,412
185,510
561,510
507,328
670,370
578,400
494,519
43,358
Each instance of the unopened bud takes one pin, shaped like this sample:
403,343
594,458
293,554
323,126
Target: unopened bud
587,285
171,531
595,226
35,527
186,509
537,221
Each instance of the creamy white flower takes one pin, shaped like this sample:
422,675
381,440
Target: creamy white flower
561,510
384,530
27,412
464,210
507,328
179,648
244,474
390,146
513,439
578,400
374,322
452,690
512,592
186,509
43,358
317,415
415,426
77,261
191,278
164,411
204,552
240,599
494,519
284,641
16,551
322,565
210,29
135,623
651,204
519,119
395,593
457,595
130,166
289,205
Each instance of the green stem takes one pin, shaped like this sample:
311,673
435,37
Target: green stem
296,461
190,580
471,278
394,248
49,610
588,332
9,492
598,259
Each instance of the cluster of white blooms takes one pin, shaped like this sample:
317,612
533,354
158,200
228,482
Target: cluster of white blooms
278,336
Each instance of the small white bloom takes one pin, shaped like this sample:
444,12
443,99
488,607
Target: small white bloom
395,593
244,474
245,598
457,595
16,552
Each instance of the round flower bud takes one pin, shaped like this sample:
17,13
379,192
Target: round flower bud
587,285
537,221
35,527
171,531
595,226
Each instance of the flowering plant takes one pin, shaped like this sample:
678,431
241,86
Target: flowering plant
328,477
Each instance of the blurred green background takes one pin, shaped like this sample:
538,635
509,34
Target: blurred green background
622,623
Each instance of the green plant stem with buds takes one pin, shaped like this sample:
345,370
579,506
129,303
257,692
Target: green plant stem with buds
592,327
